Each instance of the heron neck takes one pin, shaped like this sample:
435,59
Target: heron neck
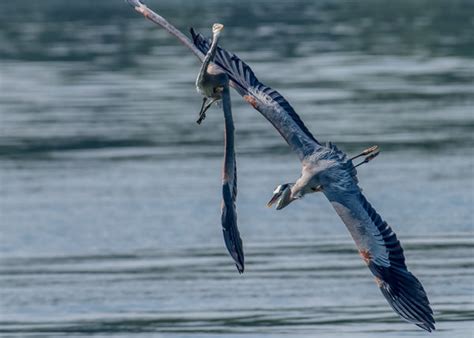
208,58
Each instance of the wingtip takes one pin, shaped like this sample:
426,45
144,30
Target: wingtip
134,3
427,326
239,261
409,301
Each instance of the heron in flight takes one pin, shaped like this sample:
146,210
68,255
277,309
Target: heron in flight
325,169
213,84
211,81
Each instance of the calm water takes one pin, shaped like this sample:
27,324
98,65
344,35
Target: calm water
110,192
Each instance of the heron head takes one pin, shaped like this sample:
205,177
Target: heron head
281,196
217,28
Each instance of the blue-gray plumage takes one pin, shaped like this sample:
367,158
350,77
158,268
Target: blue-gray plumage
209,78
213,84
326,169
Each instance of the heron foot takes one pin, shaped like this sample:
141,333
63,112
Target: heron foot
202,112
201,118
205,106
368,158
367,151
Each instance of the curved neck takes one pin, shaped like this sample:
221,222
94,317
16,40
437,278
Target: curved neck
209,57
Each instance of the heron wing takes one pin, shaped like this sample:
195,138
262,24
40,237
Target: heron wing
230,230
270,103
267,101
381,250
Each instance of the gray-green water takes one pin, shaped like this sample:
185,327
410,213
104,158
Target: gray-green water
110,192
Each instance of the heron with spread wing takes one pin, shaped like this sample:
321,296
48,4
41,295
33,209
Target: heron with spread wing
213,83
325,169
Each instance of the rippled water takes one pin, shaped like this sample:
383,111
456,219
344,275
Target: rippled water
110,193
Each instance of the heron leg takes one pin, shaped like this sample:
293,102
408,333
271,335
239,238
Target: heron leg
205,106
367,151
201,118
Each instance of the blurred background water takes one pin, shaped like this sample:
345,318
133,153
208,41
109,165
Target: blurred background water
110,192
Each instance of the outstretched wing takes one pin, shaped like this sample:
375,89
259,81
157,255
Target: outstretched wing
266,100
379,247
231,233
263,98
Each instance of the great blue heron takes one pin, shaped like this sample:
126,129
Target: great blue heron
229,189
327,169
213,83
211,80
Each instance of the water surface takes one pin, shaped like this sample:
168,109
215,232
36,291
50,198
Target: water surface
110,193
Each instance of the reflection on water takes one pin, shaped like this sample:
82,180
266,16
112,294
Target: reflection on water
110,192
